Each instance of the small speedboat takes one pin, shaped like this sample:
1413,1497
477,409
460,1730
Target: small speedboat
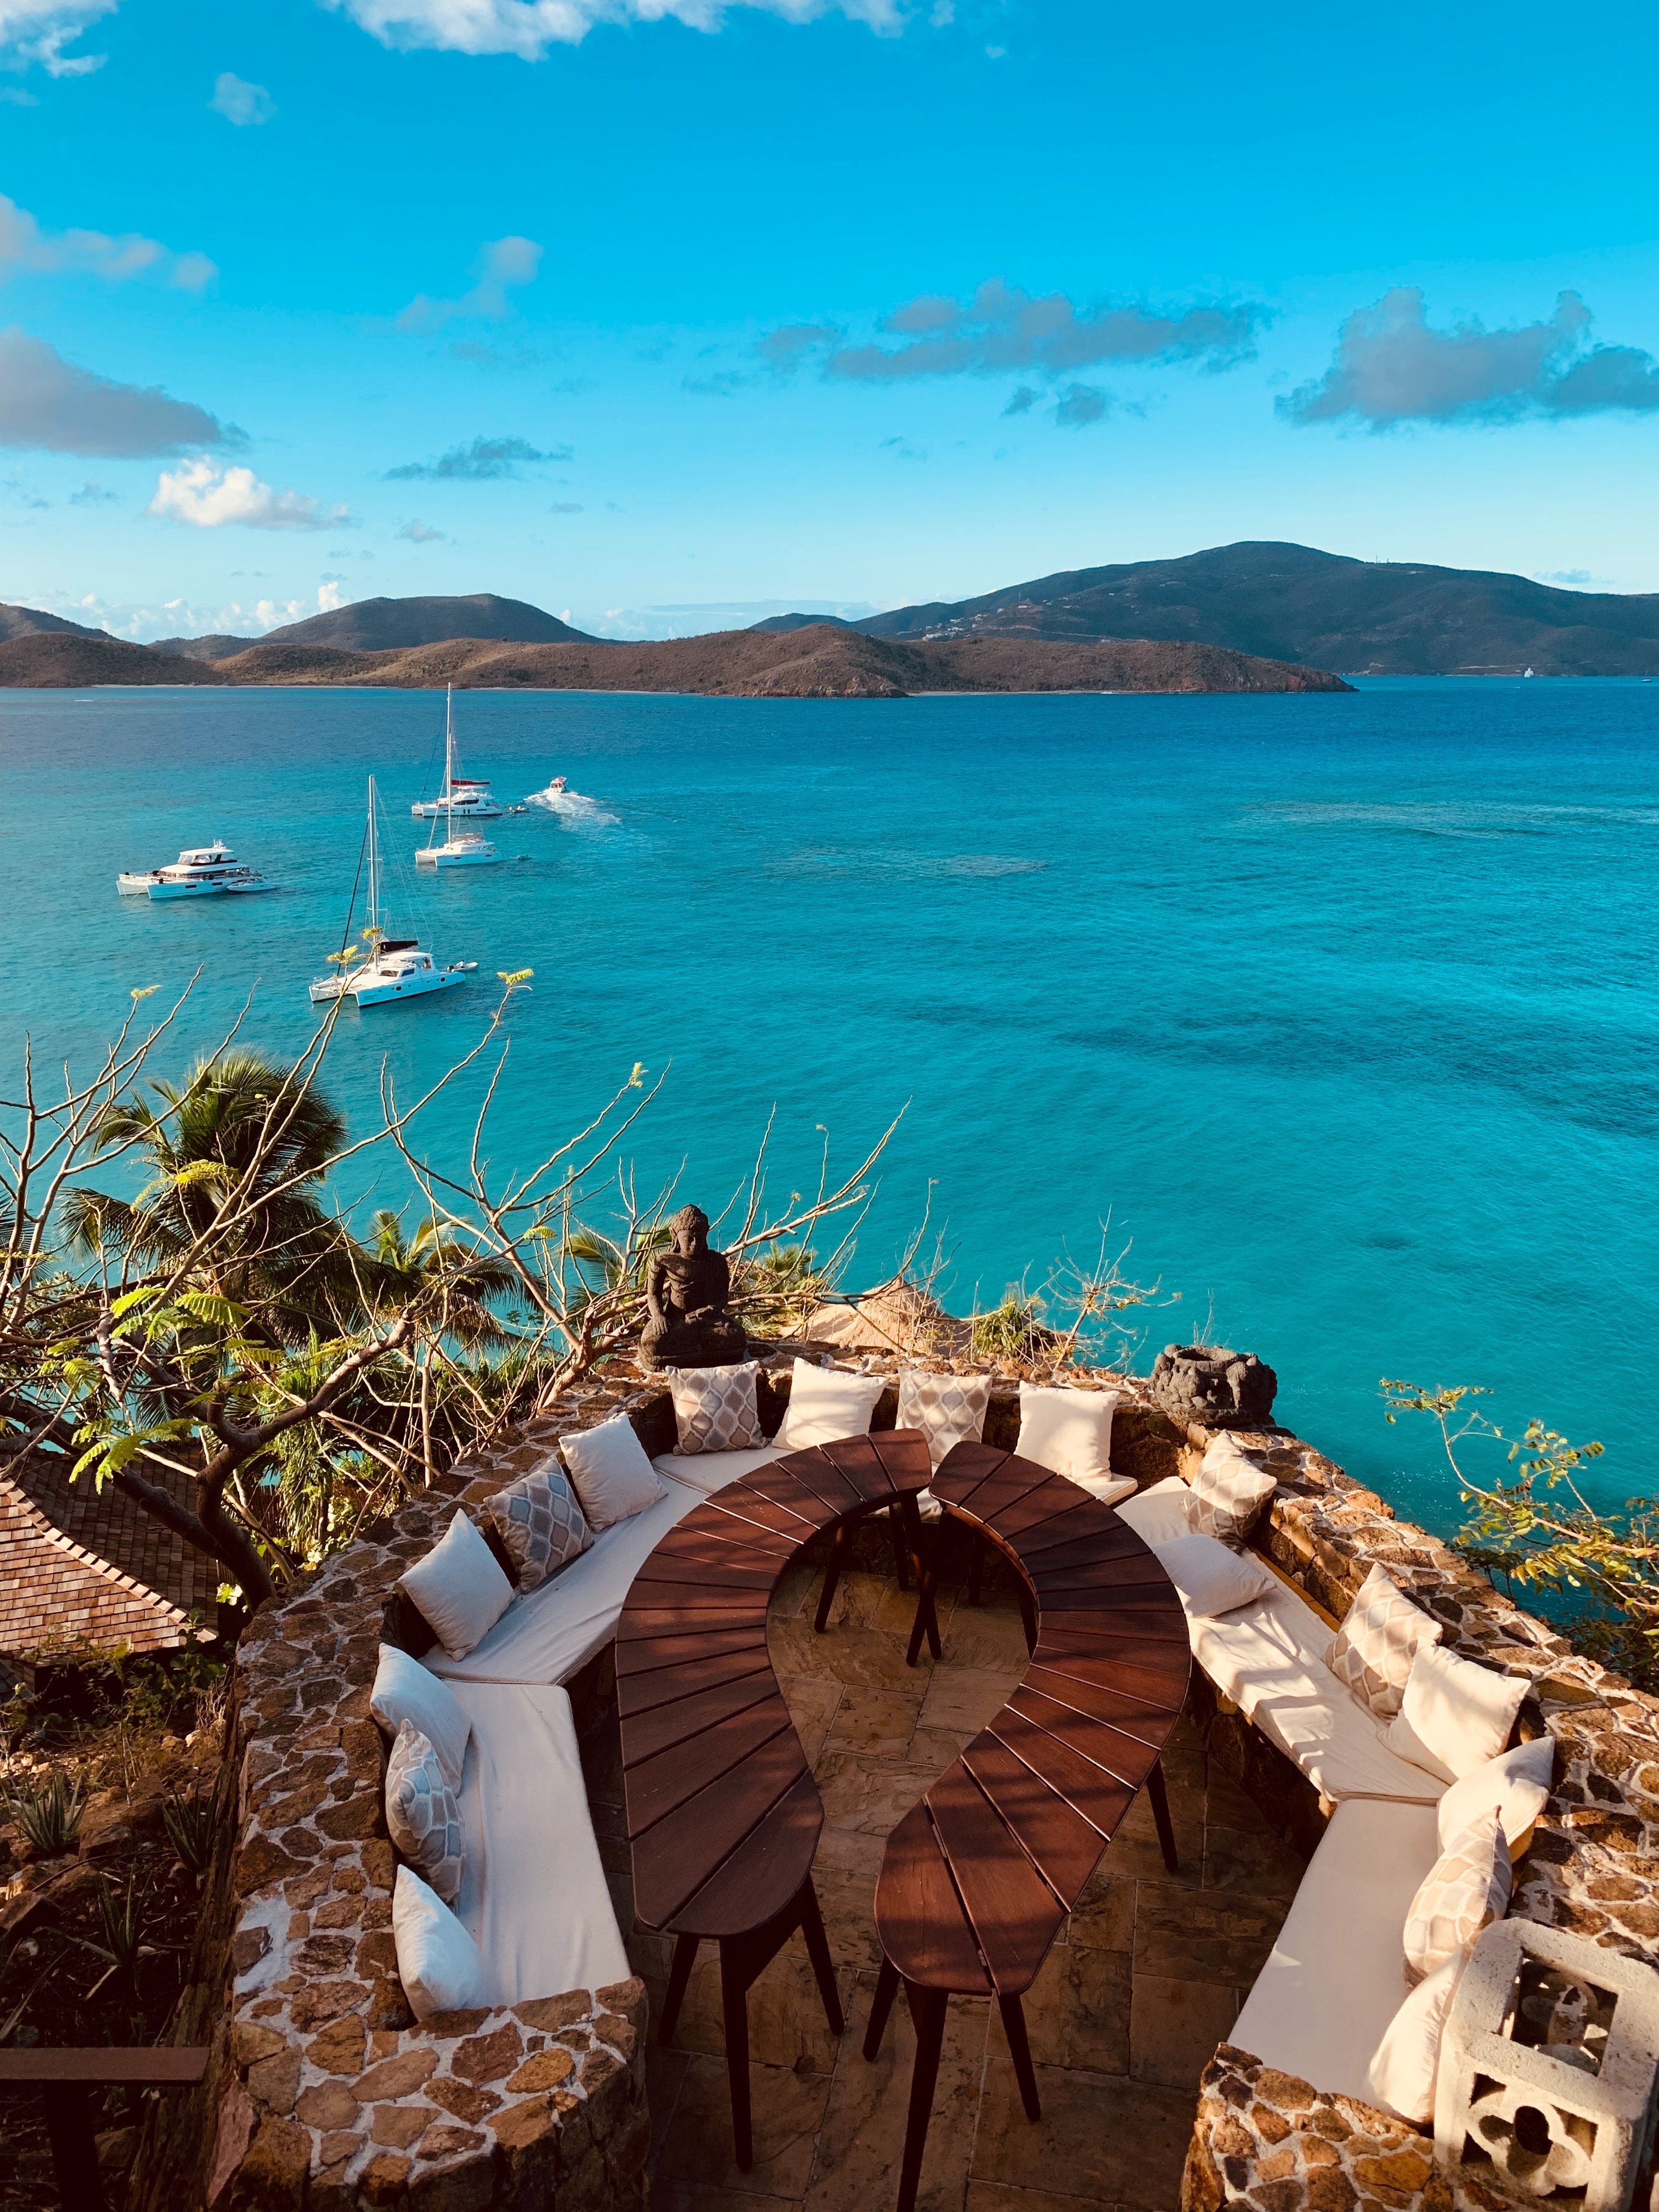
199,871
468,796
548,797
382,968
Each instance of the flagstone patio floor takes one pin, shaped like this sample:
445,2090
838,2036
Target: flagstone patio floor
1145,1979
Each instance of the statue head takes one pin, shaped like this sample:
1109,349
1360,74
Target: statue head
689,1230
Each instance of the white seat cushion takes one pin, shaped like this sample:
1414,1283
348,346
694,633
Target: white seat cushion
533,1897
1324,2001
711,1471
1109,1489
1269,1659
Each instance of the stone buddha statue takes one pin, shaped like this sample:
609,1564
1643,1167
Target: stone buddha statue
687,1291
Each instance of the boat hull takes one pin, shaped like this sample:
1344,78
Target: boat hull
130,886
407,986
430,810
433,856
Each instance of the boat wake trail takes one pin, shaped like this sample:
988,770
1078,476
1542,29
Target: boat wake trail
575,809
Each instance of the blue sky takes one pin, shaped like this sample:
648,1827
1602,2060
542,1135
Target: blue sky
668,316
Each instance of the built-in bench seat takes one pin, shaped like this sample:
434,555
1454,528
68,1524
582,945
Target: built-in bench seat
1323,2002
533,1893
1267,1658
550,1635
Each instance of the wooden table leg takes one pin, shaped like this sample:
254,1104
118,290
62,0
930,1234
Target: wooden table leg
1019,2049
881,2004
685,1957
1027,1614
900,1535
927,1619
976,1569
734,2004
831,1575
1159,1797
817,1950
70,2129
927,2011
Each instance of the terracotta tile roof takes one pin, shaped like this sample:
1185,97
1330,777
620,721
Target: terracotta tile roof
73,1563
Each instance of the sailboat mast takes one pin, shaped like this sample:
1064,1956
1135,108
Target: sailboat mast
374,931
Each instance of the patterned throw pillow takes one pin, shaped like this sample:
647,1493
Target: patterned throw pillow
540,1524
1466,1889
1229,1491
1377,1643
714,1408
421,1813
949,1409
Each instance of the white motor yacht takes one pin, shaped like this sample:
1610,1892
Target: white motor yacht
468,796
384,968
199,871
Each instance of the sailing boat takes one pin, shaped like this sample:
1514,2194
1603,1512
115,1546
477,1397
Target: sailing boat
461,849
466,795
382,967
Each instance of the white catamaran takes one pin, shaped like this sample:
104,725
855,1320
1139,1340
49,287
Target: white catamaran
199,871
468,796
382,968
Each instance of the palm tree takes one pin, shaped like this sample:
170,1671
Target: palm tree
237,1154
435,1260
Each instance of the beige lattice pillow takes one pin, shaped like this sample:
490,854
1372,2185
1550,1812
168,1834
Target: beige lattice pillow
540,1524
1377,1643
1229,1491
949,1409
422,1814
715,1408
1466,1889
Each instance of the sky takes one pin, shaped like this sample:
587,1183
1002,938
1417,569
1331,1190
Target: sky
666,315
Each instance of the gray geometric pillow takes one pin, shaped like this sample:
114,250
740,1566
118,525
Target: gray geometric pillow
1466,1889
715,1408
421,1813
949,1409
1229,1491
539,1522
1377,1643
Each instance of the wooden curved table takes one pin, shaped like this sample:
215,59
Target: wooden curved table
723,1813
976,1880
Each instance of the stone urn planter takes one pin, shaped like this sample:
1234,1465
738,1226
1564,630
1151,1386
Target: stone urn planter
1222,1388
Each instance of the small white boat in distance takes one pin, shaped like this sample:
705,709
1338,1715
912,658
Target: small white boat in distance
199,871
384,968
468,796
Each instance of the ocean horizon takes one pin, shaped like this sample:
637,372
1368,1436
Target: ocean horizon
1339,1011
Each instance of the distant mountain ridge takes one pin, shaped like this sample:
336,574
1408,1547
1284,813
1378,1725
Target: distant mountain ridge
1319,610
394,625
30,622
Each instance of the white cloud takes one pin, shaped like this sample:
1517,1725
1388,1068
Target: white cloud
529,27
27,250
240,102
421,533
501,263
48,403
207,497
331,596
38,30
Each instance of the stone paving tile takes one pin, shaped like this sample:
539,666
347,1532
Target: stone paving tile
1145,1979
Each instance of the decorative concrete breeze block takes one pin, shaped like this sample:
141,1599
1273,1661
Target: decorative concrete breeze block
1548,2067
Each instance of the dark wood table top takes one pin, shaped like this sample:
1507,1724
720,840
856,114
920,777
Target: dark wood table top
978,1878
723,1813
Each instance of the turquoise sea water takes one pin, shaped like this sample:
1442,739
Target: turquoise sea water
1345,1008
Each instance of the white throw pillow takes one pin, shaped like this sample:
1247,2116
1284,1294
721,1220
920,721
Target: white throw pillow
715,1408
1161,1514
1466,1889
1402,2074
460,1587
405,1691
1454,1716
1229,1491
948,1409
612,1476
1212,1579
422,1813
439,1965
825,1405
1517,1784
1068,1432
1374,1648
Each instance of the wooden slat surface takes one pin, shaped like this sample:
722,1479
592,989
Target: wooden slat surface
977,1879
723,1817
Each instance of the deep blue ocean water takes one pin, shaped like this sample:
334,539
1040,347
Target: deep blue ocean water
1343,1008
